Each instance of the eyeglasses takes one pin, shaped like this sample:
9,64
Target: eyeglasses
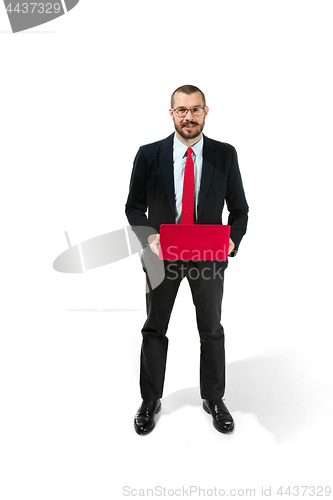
183,111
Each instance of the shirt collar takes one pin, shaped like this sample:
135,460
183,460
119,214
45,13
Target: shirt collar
180,148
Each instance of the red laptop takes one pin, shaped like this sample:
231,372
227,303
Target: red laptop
194,242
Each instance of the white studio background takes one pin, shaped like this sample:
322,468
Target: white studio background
78,98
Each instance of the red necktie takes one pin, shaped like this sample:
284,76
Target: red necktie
187,215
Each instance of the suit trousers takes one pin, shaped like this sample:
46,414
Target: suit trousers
206,284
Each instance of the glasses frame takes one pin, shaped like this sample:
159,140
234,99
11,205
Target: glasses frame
187,110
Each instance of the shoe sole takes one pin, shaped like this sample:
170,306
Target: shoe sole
214,424
148,432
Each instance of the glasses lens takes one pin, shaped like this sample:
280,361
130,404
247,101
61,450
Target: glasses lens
195,111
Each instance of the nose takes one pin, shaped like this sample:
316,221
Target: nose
189,115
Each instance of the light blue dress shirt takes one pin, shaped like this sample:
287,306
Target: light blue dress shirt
179,160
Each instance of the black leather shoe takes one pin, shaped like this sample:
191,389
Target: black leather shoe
144,421
222,420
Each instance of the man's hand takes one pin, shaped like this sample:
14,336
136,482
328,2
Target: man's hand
154,242
231,246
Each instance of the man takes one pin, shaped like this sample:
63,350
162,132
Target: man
159,184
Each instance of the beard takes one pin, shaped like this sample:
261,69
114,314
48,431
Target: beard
189,134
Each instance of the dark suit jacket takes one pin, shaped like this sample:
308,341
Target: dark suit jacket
152,188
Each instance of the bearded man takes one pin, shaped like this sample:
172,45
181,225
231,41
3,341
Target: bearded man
157,186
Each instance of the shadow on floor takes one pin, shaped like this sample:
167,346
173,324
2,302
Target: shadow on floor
278,388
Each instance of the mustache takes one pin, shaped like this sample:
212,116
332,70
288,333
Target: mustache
189,123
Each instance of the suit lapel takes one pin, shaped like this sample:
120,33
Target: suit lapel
207,171
166,166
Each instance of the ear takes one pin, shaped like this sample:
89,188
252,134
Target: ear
171,113
206,111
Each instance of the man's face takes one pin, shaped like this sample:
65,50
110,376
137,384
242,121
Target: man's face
189,127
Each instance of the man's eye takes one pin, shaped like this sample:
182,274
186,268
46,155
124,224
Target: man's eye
195,110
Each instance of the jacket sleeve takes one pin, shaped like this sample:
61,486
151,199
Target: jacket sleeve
136,205
236,204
